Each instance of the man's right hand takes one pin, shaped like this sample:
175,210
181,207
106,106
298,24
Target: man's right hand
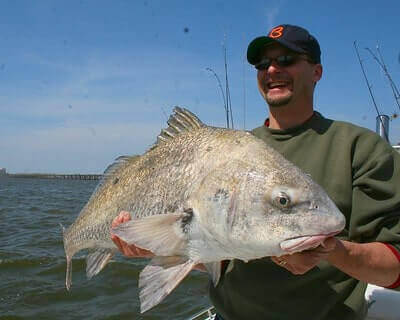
128,250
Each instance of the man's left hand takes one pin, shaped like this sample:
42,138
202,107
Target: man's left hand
302,262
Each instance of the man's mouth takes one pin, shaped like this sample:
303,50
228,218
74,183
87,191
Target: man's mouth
277,84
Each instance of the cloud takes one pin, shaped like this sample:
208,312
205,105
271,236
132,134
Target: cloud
104,82
75,149
272,12
77,115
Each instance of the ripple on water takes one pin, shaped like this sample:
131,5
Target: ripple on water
33,266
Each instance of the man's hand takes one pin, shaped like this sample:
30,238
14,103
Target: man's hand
131,250
302,262
127,249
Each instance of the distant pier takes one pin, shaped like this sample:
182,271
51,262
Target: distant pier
55,176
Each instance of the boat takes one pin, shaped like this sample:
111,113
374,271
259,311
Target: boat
206,314
382,305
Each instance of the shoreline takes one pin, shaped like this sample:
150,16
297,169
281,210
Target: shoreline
76,176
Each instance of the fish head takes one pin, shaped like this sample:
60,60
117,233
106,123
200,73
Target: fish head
299,217
260,211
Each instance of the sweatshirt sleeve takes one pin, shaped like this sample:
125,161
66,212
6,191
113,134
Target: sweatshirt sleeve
396,284
375,213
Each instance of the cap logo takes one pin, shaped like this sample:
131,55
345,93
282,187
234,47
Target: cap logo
276,32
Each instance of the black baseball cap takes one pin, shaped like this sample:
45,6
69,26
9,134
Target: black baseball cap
292,37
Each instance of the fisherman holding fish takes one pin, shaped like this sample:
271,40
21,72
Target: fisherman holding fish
291,221
359,171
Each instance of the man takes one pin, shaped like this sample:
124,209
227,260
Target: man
359,171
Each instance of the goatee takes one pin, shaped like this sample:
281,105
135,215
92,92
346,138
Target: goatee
278,102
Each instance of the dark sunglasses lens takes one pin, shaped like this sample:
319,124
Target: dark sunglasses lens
285,61
282,61
263,65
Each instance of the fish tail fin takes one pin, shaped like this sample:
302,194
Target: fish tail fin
68,275
160,277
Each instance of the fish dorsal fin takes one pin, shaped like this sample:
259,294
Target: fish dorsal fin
118,164
180,121
111,172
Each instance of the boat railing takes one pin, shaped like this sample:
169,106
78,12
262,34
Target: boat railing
206,314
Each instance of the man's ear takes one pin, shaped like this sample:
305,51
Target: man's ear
318,72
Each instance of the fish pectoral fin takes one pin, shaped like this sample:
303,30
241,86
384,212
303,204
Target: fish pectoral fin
161,234
160,277
214,269
97,260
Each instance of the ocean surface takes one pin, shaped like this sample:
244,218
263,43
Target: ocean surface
32,262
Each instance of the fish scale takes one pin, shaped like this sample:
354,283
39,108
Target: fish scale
200,195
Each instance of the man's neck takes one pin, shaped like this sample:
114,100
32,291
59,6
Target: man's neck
286,117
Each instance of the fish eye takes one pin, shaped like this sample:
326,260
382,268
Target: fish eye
283,200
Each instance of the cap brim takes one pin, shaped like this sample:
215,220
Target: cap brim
255,48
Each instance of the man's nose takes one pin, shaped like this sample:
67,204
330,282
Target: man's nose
271,71
274,68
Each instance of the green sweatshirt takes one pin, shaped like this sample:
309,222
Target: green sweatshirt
361,174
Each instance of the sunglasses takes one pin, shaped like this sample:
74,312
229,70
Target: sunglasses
281,61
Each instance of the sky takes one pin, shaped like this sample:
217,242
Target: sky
83,82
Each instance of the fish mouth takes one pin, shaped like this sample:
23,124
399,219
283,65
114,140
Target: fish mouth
302,243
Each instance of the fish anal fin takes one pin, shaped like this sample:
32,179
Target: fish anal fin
230,266
161,234
214,269
97,260
160,277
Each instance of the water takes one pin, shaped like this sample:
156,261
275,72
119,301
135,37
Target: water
32,262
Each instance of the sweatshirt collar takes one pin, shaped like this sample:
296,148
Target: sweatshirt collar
302,127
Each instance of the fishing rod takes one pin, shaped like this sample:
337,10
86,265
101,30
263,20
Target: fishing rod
382,64
223,95
244,60
370,92
227,91
227,96
244,93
